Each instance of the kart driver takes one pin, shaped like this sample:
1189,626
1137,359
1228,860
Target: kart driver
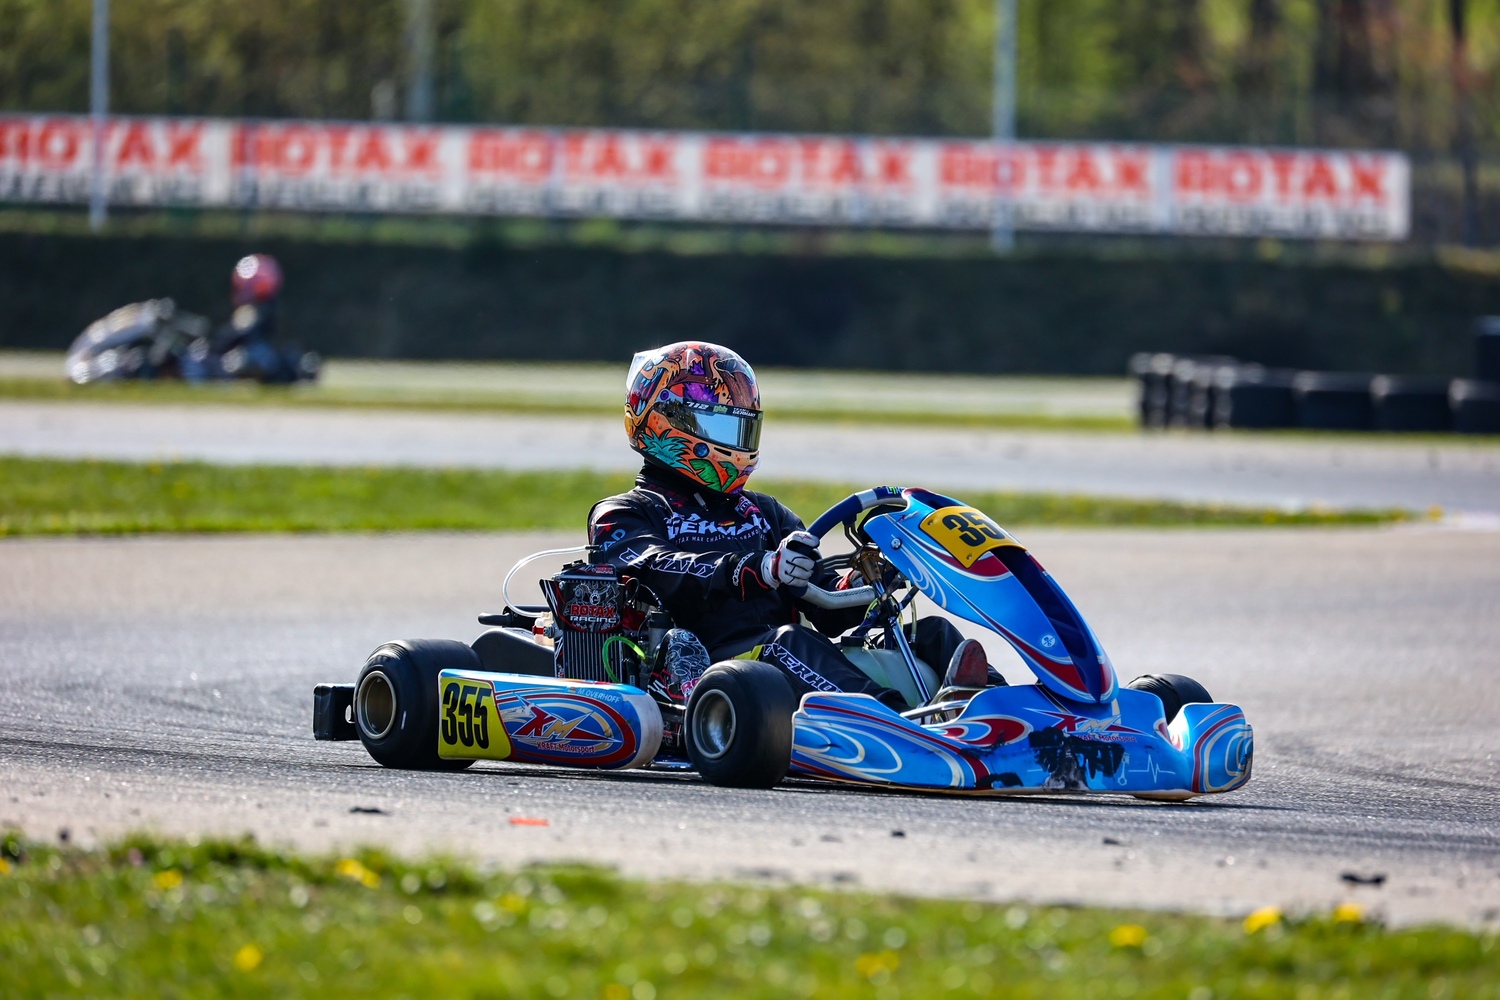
719,556
245,342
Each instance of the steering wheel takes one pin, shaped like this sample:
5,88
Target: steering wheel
846,512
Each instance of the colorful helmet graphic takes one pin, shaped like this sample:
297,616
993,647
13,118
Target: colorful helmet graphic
256,278
695,409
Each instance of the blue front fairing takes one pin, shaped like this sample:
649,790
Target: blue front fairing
1003,589
1025,738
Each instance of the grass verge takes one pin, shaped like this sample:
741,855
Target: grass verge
151,918
52,496
253,394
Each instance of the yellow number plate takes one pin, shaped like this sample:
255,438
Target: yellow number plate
469,728
966,533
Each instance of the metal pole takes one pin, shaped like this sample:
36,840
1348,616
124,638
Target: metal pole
1002,236
99,110
419,60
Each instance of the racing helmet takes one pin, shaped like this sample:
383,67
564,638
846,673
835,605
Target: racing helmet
694,408
256,279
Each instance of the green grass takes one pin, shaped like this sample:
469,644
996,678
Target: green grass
445,400
147,918
51,496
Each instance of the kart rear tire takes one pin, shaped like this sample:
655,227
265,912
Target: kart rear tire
738,728
1174,690
396,702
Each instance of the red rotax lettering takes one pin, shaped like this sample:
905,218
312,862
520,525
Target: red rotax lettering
893,166
769,163
1194,172
15,135
609,159
573,150
1283,165
1084,175
338,146
1369,178
183,146
1131,169
659,159
527,155
1046,166
812,160
846,165
1319,181
136,147
373,153
56,145
242,146
295,150
718,158
422,152
1240,176
957,167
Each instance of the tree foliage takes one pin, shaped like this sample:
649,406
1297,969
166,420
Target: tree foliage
1337,71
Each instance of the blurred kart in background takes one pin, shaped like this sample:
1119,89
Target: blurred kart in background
573,683
156,340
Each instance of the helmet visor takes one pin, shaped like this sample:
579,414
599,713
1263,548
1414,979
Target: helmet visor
729,426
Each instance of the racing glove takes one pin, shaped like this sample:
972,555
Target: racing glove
793,562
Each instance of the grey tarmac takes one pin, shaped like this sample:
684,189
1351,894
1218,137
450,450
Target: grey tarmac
164,683
1285,470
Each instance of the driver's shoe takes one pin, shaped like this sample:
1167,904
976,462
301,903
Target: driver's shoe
968,667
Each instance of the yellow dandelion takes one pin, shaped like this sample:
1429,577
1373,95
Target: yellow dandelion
248,958
1348,913
1128,936
169,879
871,963
352,870
1266,916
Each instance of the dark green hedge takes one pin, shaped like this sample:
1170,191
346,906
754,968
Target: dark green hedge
1045,311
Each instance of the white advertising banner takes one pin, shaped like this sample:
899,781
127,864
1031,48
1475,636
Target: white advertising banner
705,176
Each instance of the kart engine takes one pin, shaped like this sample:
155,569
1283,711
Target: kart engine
603,630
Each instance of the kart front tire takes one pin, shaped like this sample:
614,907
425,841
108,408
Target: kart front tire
738,727
396,702
1174,690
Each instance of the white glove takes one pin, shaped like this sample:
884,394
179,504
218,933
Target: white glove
793,562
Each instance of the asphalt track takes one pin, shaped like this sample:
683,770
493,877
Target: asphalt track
165,683
1278,470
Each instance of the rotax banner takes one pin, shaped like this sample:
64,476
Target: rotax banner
710,177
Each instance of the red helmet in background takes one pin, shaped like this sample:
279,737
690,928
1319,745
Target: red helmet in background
256,279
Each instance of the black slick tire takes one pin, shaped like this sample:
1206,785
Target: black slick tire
396,702
1174,690
738,727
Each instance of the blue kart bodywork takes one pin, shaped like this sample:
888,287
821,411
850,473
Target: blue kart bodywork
1076,730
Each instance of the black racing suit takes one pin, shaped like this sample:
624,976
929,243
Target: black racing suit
700,552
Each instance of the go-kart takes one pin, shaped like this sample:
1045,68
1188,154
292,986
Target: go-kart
570,683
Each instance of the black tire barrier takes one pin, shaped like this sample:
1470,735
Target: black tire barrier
1252,397
1174,690
1410,404
1487,349
396,702
1475,405
1333,401
738,726
1151,371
